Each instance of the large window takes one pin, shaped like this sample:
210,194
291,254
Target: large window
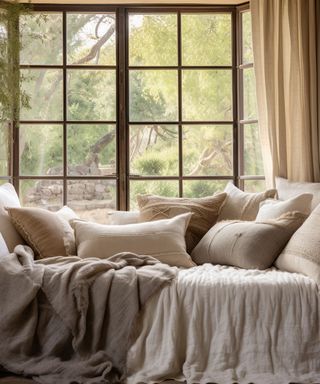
130,100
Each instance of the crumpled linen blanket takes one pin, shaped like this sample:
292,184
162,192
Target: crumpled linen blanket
68,320
225,325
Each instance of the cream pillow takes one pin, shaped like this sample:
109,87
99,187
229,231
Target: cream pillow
247,244
4,251
205,212
47,233
271,209
9,198
241,205
302,253
287,189
124,217
163,239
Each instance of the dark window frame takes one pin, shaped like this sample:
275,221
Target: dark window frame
122,68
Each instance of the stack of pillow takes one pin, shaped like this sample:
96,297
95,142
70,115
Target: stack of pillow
247,230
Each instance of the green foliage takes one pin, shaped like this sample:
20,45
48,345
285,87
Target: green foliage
151,165
153,96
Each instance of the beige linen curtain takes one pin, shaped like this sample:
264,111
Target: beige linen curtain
286,46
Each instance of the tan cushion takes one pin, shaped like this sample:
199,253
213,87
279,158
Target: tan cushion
163,239
302,253
287,189
47,233
247,244
271,209
9,198
241,205
205,212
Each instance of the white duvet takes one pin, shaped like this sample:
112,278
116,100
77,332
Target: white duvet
223,325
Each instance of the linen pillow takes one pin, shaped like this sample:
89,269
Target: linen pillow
287,189
247,244
47,233
163,239
9,198
205,212
302,253
124,217
271,209
4,251
241,205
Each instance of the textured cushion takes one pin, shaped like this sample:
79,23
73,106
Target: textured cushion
247,244
124,217
4,251
163,239
47,233
9,198
271,209
287,189
205,212
302,253
241,205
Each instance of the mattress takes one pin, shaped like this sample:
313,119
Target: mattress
219,324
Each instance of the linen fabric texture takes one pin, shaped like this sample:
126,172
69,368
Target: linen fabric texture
272,209
162,239
241,205
302,253
245,244
205,212
47,233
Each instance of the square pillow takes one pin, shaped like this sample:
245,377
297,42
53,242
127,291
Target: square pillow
241,205
302,253
48,234
287,189
162,239
9,198
247,244
271,209
205,212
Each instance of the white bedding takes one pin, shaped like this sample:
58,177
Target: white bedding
223,325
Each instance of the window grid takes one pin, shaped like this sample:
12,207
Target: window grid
122,68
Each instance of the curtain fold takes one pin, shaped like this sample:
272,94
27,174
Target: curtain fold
286,47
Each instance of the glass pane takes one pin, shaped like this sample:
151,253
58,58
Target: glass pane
207,150
253,164
41,150
91,38
91,94
91,150
4,149
44,87
38,32
154,150
153,39
249,94
254,185
92,199
156,187
247,52
153,95
207,95
46,194
203,188
206,39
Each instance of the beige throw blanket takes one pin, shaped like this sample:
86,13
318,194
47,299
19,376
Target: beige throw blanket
67,320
